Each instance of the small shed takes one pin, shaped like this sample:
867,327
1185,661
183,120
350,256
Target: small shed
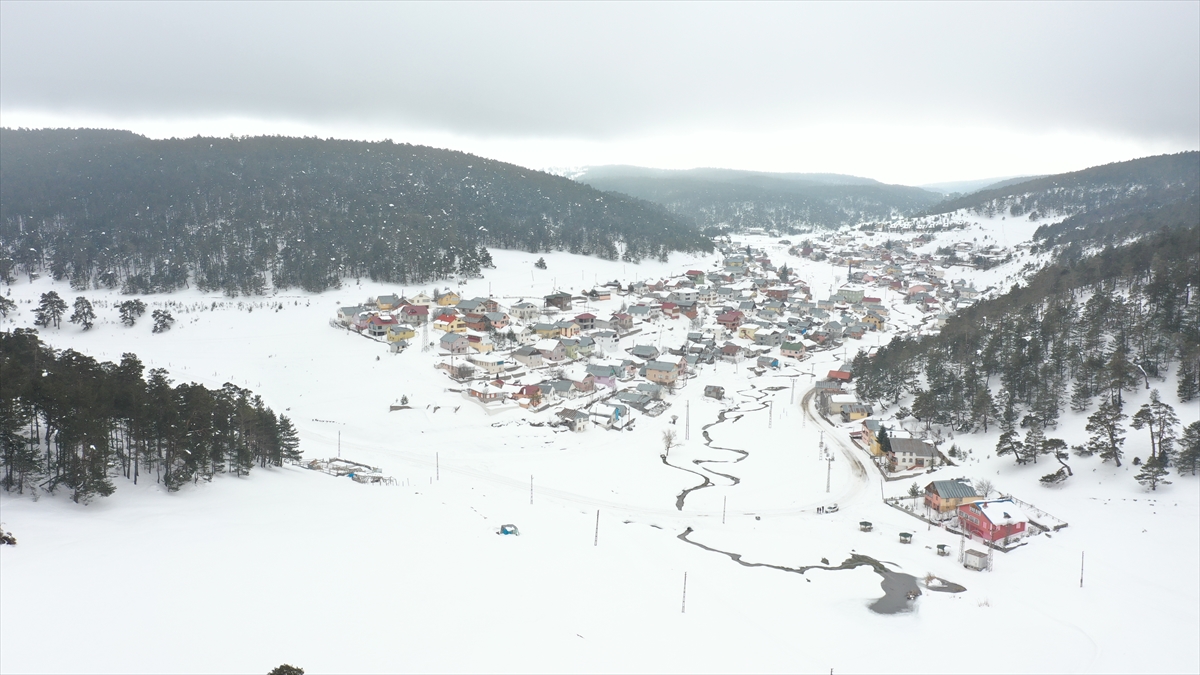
713,391
943,549
865,526
976,560
905,537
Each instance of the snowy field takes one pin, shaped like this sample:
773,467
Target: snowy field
290,565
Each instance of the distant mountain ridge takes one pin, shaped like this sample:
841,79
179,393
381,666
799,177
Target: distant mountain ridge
783,202
111,208
1112,200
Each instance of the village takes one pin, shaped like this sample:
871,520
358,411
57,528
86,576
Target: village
603,357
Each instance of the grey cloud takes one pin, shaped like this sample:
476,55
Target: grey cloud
600,71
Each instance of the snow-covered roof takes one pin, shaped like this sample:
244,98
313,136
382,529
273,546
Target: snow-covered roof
1001,511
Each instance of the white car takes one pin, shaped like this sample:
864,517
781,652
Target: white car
832,508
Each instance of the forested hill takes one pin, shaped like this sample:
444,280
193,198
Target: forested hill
68,422
719,198
115,209
1096,199
1079,334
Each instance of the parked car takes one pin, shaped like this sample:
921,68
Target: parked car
832,508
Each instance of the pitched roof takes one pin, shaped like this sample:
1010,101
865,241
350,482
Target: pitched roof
953,489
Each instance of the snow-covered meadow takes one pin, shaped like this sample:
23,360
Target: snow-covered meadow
290,565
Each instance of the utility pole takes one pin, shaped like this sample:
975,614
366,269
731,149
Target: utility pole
770,413
596,538
828,470
531,489
683,606
687,422
724,503
1081,569
437,465
339,443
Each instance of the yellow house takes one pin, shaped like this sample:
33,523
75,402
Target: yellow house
874,320
455,325
387,303
421,298
400,332
448,299
547,331
746,331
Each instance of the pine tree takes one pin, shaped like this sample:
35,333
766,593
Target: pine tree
1107,436
1189,451
84,315
6,306
1009,445
540,264
289,440
1153,474
130,311
1160,419
162,321
50,310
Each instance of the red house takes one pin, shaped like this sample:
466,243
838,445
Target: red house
731,320
993,520
670,310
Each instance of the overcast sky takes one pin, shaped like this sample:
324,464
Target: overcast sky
906,93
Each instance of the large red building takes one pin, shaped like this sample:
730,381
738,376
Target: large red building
993,520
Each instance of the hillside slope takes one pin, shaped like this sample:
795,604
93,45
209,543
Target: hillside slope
114,209
722,198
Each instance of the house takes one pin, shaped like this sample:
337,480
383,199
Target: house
943,497
606,341
713,391
447,299
547,330
421,298
731,352
586,321
769,338
488,363
600,293
910,453
662,372
654,391
496,320
475,322
567,328
552,350
853,413
529,355
455,343
767,362
414,314
611,415
576,420
647,352
525,311
621,321
480,342
560,300
386,303
794,350
839,375
605,374
347,315
746,331
485,392
993,520
378,324
583,380
450,323
399,332
874,320
835,402
670,310
731,320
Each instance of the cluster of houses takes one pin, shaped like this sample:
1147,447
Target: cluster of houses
993,520
920,277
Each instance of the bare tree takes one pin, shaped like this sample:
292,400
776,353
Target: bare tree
668,438
985,488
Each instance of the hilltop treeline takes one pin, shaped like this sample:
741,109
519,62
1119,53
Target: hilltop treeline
1080,332
70,423
723,199
117,210
1102,203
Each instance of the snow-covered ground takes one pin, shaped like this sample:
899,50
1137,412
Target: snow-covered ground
290,565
